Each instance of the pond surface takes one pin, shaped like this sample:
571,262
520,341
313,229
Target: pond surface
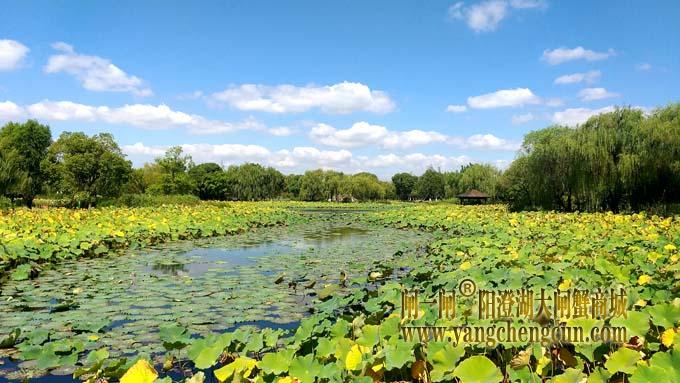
211,285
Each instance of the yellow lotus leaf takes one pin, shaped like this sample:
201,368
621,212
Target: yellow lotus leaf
653,256
140,372
670,247
354,357
644,279
242,366
667,337
465,265
565,285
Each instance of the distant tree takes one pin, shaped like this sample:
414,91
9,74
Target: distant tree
451,184
292,185
513,187
10,174
24,147
174,166
483,177
136,184
87,167
312,186
209,180
404,183
366,186
430,185
253,182
389,192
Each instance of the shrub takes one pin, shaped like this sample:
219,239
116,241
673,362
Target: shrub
146,200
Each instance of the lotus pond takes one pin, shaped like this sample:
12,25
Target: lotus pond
302,296
264,278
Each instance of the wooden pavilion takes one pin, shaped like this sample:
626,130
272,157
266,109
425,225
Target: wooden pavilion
473,196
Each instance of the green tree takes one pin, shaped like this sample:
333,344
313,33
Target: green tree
87,167
404,183
312,186
24,147
430,185
292,185
253,182
366,186
174,166
209,180
483,177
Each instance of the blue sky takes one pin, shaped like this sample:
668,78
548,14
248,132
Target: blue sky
380,86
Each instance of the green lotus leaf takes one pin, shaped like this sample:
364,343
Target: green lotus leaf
478,369
623,360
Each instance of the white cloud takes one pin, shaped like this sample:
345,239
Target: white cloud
306,157
302,158
141,149
643,67
341,98
504,98
553,102
10,111
487,15
562,55
281,131
528,4
63,111
456,108
592,94
95,73
522,118
414,162
365,134
12,54
488,142
576,116
195,95
146,116
481,17
587,77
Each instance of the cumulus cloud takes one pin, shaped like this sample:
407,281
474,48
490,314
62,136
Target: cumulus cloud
574,78
553,102
488,142
562,55
576,116
522,118
456,108
10,111
487,15
301,158
95,73
341,98
307,157
504,98
362,134
365,134
12,54
592,94
145,116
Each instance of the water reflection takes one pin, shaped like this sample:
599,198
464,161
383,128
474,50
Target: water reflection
200,260
170,268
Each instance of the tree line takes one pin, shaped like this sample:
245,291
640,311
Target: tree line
624,160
